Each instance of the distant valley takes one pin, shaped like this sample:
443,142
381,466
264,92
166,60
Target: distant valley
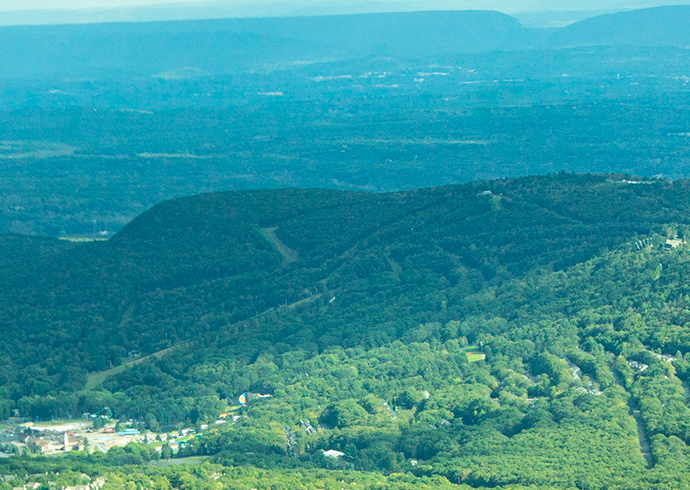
126,115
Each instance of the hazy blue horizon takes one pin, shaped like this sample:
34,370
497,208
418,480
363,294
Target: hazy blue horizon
500,5
532,13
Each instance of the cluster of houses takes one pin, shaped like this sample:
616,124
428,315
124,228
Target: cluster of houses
80,436
179,439
306,426
56,439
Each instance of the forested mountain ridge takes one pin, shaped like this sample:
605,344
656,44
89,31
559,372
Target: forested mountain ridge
21,252
481,334
192,266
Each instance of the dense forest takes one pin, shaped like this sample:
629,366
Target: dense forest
482,334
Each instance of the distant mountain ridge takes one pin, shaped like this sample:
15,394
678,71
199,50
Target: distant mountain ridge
226,46
232,45
658,26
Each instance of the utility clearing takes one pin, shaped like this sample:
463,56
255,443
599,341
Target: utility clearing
94,380
289,255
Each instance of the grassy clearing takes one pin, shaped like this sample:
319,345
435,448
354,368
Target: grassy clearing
303,301
496,204
289,255
395,267
475,356
94,380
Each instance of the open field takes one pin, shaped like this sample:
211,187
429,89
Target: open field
16,150
473,354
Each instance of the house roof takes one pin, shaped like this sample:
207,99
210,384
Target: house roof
331,453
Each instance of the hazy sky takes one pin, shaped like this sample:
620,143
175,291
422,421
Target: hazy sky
504,5
6,5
